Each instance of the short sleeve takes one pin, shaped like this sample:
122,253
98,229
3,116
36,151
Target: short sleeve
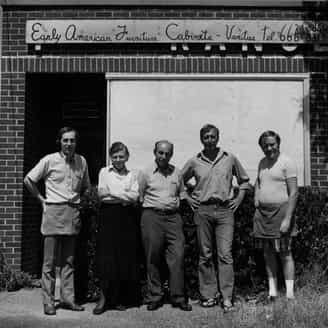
187,170
40,170
290,168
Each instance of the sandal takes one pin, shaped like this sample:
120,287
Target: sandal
210,302
227,306
267,300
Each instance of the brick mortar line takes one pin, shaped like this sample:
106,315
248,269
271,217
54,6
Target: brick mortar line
167,57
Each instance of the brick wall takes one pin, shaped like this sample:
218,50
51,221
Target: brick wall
11,169
19,225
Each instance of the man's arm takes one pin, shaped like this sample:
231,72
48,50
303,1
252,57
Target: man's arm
235,202
86,185
187,173
243,181
256,190
292,190
39,171
33,189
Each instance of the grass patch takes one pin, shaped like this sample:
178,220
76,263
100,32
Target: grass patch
308,310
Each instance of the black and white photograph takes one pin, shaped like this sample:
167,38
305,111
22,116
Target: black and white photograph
164,163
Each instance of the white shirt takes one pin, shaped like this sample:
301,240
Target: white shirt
272,179
120,187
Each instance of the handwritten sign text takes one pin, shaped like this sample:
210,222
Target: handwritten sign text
176,31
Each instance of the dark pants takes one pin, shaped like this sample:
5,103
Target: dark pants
215,222
163,235
58,250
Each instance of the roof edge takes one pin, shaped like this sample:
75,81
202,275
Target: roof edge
203,3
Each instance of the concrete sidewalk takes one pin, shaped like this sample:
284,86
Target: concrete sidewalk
24,309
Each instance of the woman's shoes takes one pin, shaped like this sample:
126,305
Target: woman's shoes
269,300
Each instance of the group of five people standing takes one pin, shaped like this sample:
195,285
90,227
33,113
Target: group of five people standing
159,189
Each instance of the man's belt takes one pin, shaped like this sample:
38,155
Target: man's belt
64,203
162,211
215,201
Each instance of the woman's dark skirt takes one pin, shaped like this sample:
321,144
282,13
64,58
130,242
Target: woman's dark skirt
117,254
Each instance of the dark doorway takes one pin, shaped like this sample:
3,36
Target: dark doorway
54,101
77,100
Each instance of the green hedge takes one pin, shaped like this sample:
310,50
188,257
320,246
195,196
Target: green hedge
310,246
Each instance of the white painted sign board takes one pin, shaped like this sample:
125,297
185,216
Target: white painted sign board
176,31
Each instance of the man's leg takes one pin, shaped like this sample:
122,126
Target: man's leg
224,235
67,269
289,272
153,242
206,270
48,280
271,269
175,257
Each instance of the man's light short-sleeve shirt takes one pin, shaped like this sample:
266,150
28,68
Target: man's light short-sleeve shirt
272,179
161,190
64,180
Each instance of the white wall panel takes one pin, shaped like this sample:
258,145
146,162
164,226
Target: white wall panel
143,111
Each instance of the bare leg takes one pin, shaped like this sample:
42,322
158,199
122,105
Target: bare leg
289,272
271,269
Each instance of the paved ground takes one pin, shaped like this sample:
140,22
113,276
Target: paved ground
23,309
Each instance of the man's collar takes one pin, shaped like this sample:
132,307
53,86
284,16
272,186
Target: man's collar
220,153
69,160
168,170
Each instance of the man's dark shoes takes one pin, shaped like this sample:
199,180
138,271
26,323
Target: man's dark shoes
153,306
184,306
49,309
99,309
72,307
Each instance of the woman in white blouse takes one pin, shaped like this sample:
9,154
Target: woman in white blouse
118,234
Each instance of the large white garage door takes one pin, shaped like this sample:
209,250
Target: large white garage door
143,110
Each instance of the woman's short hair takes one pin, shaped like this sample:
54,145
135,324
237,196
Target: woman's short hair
206,128
118,146
269,133
64,130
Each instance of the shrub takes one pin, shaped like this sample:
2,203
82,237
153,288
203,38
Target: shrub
12,280
310,246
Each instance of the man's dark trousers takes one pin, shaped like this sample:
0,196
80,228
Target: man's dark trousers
162,234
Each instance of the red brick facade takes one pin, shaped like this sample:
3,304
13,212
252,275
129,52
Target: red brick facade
19,229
